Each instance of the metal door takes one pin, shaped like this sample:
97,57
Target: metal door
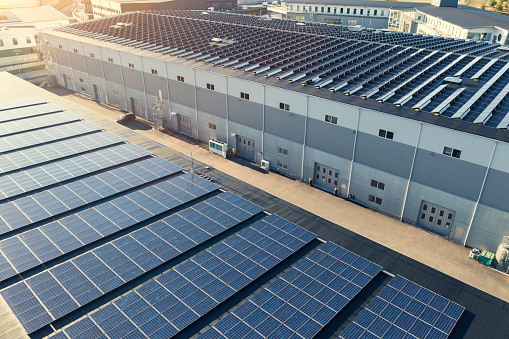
98,92
184,124
436,218
65,80
326,177
245,148
136,105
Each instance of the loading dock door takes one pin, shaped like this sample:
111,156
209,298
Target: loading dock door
436,218
326,177
136,105
245,148
184,125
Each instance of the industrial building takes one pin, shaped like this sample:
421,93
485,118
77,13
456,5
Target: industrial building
413,126
442,18
102,238
103,8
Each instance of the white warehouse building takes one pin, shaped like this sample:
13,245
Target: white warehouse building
414,126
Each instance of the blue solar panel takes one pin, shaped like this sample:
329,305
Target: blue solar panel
302,301
27,210
87,277
89,225
166,305
405,307
23,112
26,181
17,126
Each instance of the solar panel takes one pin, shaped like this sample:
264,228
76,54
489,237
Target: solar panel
56,150
403,307
21,102
169,303
31,123
37,137
38,177
82,279
26,112
488,111
303,300
87,226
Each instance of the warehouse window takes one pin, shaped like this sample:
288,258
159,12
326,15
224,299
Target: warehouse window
92,55
110,59
385,134
348,11
316,8
328,9
455,153
375,200
377,184
322,9
284,106
282,151
60,46
75,50
131,65
355,11
341,10
115,92
331,119
154,71
362,11
14,41
244,95
212,126
83,89
282,165
81,79
29,41
374,12
210,86
117,102
180,78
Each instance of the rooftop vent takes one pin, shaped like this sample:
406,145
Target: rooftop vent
300,24
216,40
453,80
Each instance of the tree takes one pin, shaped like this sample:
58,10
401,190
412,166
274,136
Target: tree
493,3
499,7
483,6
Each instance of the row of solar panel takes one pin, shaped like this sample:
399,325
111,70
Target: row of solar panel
56,150
48,174
26,112
32,248
27,210
21,102
17,126
303,300
405,308
40,136
166,305
76,282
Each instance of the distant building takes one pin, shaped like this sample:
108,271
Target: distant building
442,18
104,8
19,29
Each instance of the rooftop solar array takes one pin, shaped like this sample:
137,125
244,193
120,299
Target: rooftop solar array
405,309
171,302
86,217
394,68
303,300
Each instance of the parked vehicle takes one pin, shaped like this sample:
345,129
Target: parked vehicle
128,117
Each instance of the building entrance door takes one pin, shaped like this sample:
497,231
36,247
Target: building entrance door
136,105
326,177
436,218
245,148
184,125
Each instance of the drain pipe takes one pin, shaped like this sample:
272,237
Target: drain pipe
411,172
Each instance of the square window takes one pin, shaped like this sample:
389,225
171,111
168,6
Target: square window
424,207
441,213
281,105
423,215
327,118
378,201
447,151
60,46
449,216
371,198
14,41
456,153
334,120
287,107
381,133
110,59
154,71
381,186
336,174
374,183
439,222
246,96
318,168
75,50
29,41
92,55
430,219
389,135
433,209
335,182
